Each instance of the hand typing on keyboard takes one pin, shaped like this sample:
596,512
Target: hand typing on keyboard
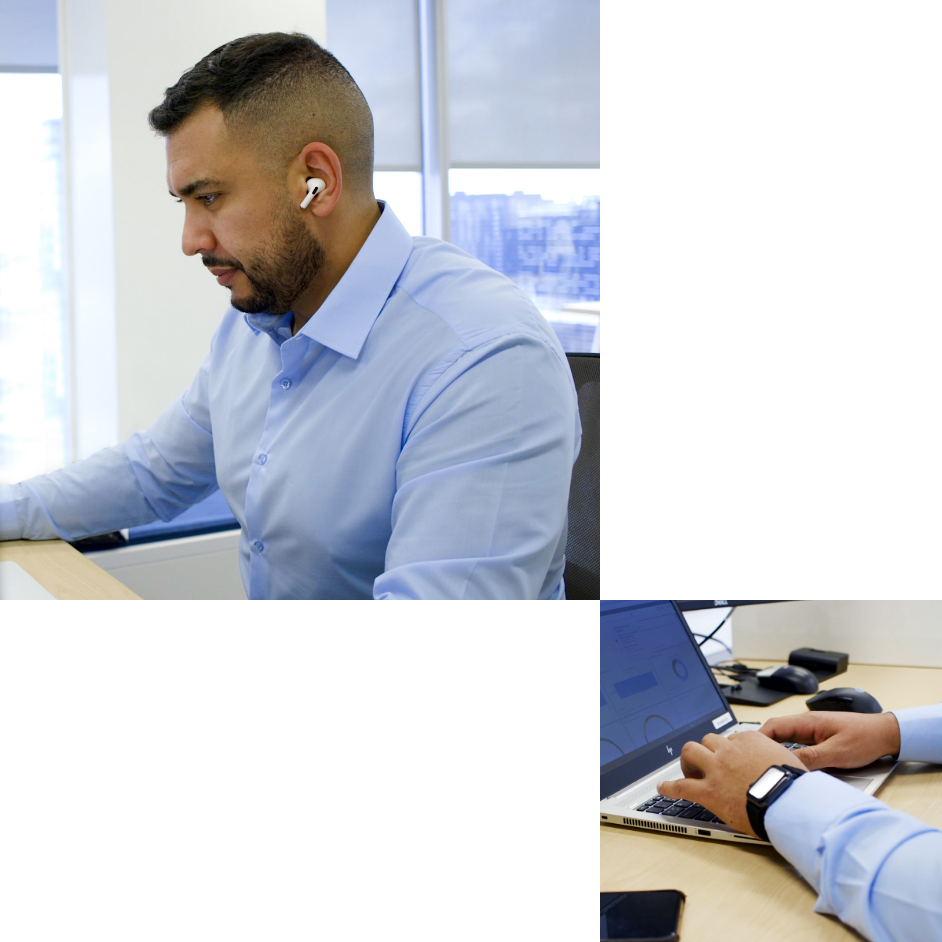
717,774
837,740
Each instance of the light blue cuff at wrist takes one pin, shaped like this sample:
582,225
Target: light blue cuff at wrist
920,733
10,527
796,821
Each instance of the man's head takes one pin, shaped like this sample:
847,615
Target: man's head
245,128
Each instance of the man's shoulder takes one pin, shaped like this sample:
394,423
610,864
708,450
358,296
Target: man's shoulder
472,299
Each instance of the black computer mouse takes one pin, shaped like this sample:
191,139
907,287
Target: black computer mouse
845,700
791,678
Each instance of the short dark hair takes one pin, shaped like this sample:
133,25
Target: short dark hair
280,88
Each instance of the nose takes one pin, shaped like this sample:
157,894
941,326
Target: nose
196,237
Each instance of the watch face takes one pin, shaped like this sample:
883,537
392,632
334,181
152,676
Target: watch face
766,782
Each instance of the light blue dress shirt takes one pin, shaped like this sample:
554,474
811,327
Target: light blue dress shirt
876,869
415,439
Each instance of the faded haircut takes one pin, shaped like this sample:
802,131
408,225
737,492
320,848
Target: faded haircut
279,92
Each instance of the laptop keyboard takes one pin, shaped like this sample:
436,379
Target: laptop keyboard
689,809
678,809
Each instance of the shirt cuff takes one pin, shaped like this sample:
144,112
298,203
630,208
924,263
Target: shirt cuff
10,528
796,822
920,733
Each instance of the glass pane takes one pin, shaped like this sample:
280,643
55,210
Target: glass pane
402,189
377,42
33,387
523,82
541,229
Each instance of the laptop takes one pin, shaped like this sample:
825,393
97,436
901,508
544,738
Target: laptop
658,693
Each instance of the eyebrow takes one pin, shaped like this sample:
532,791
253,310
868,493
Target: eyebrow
191,188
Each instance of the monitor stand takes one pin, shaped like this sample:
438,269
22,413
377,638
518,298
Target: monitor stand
747,690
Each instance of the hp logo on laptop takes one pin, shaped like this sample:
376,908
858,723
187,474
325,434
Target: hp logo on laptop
670,750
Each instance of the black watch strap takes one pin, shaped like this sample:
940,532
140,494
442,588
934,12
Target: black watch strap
768,787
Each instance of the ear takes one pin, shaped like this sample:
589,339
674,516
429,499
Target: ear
316,160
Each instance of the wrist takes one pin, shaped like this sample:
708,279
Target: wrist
765,790
891,734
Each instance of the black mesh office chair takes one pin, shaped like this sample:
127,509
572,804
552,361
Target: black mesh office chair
582,544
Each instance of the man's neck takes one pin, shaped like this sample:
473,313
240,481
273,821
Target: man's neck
341,246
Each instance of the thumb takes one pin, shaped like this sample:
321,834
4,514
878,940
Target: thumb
813,757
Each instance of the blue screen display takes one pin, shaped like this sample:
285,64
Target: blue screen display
653,680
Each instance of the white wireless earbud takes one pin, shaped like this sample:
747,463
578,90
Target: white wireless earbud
314,186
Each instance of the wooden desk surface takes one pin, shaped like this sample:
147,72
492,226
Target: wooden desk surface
63,570
736,892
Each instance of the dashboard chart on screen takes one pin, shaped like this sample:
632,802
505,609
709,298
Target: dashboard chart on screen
654,684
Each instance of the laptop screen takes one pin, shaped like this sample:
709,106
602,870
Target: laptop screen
657,691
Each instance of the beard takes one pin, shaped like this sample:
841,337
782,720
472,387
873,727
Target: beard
280,274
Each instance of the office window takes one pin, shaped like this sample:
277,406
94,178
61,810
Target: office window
402,190
519,136
34,428
540,227
523,141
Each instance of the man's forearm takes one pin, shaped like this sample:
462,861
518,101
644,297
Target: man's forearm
96,495
875,868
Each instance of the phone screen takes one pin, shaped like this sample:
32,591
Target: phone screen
651,915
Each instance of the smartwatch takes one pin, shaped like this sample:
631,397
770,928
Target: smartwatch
771,784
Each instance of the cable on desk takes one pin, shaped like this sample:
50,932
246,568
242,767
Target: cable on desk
715,630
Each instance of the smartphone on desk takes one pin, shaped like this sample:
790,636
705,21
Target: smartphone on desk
645,916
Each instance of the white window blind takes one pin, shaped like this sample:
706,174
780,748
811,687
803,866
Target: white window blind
377,42
523,83
28,36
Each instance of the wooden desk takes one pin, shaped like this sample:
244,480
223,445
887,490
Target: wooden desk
736,892
63,571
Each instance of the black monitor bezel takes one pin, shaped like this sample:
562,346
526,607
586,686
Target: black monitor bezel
617,778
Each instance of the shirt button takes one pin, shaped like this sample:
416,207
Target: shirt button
262,459
286,384
258,546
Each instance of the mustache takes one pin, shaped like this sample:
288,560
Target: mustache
214,261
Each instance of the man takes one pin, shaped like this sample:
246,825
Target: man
386,416
877,869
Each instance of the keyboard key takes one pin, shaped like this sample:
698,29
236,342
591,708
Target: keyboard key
682,803
705,816
689,812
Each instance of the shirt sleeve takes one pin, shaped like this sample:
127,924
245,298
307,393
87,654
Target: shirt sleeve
876,869
155,474
482,481
920,734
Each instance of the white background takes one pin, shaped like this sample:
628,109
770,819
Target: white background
298,770
773,296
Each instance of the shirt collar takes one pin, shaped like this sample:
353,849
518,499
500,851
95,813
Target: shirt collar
344,320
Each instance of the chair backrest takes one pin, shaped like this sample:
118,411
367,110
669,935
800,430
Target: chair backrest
582,543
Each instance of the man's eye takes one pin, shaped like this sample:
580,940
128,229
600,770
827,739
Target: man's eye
208,199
